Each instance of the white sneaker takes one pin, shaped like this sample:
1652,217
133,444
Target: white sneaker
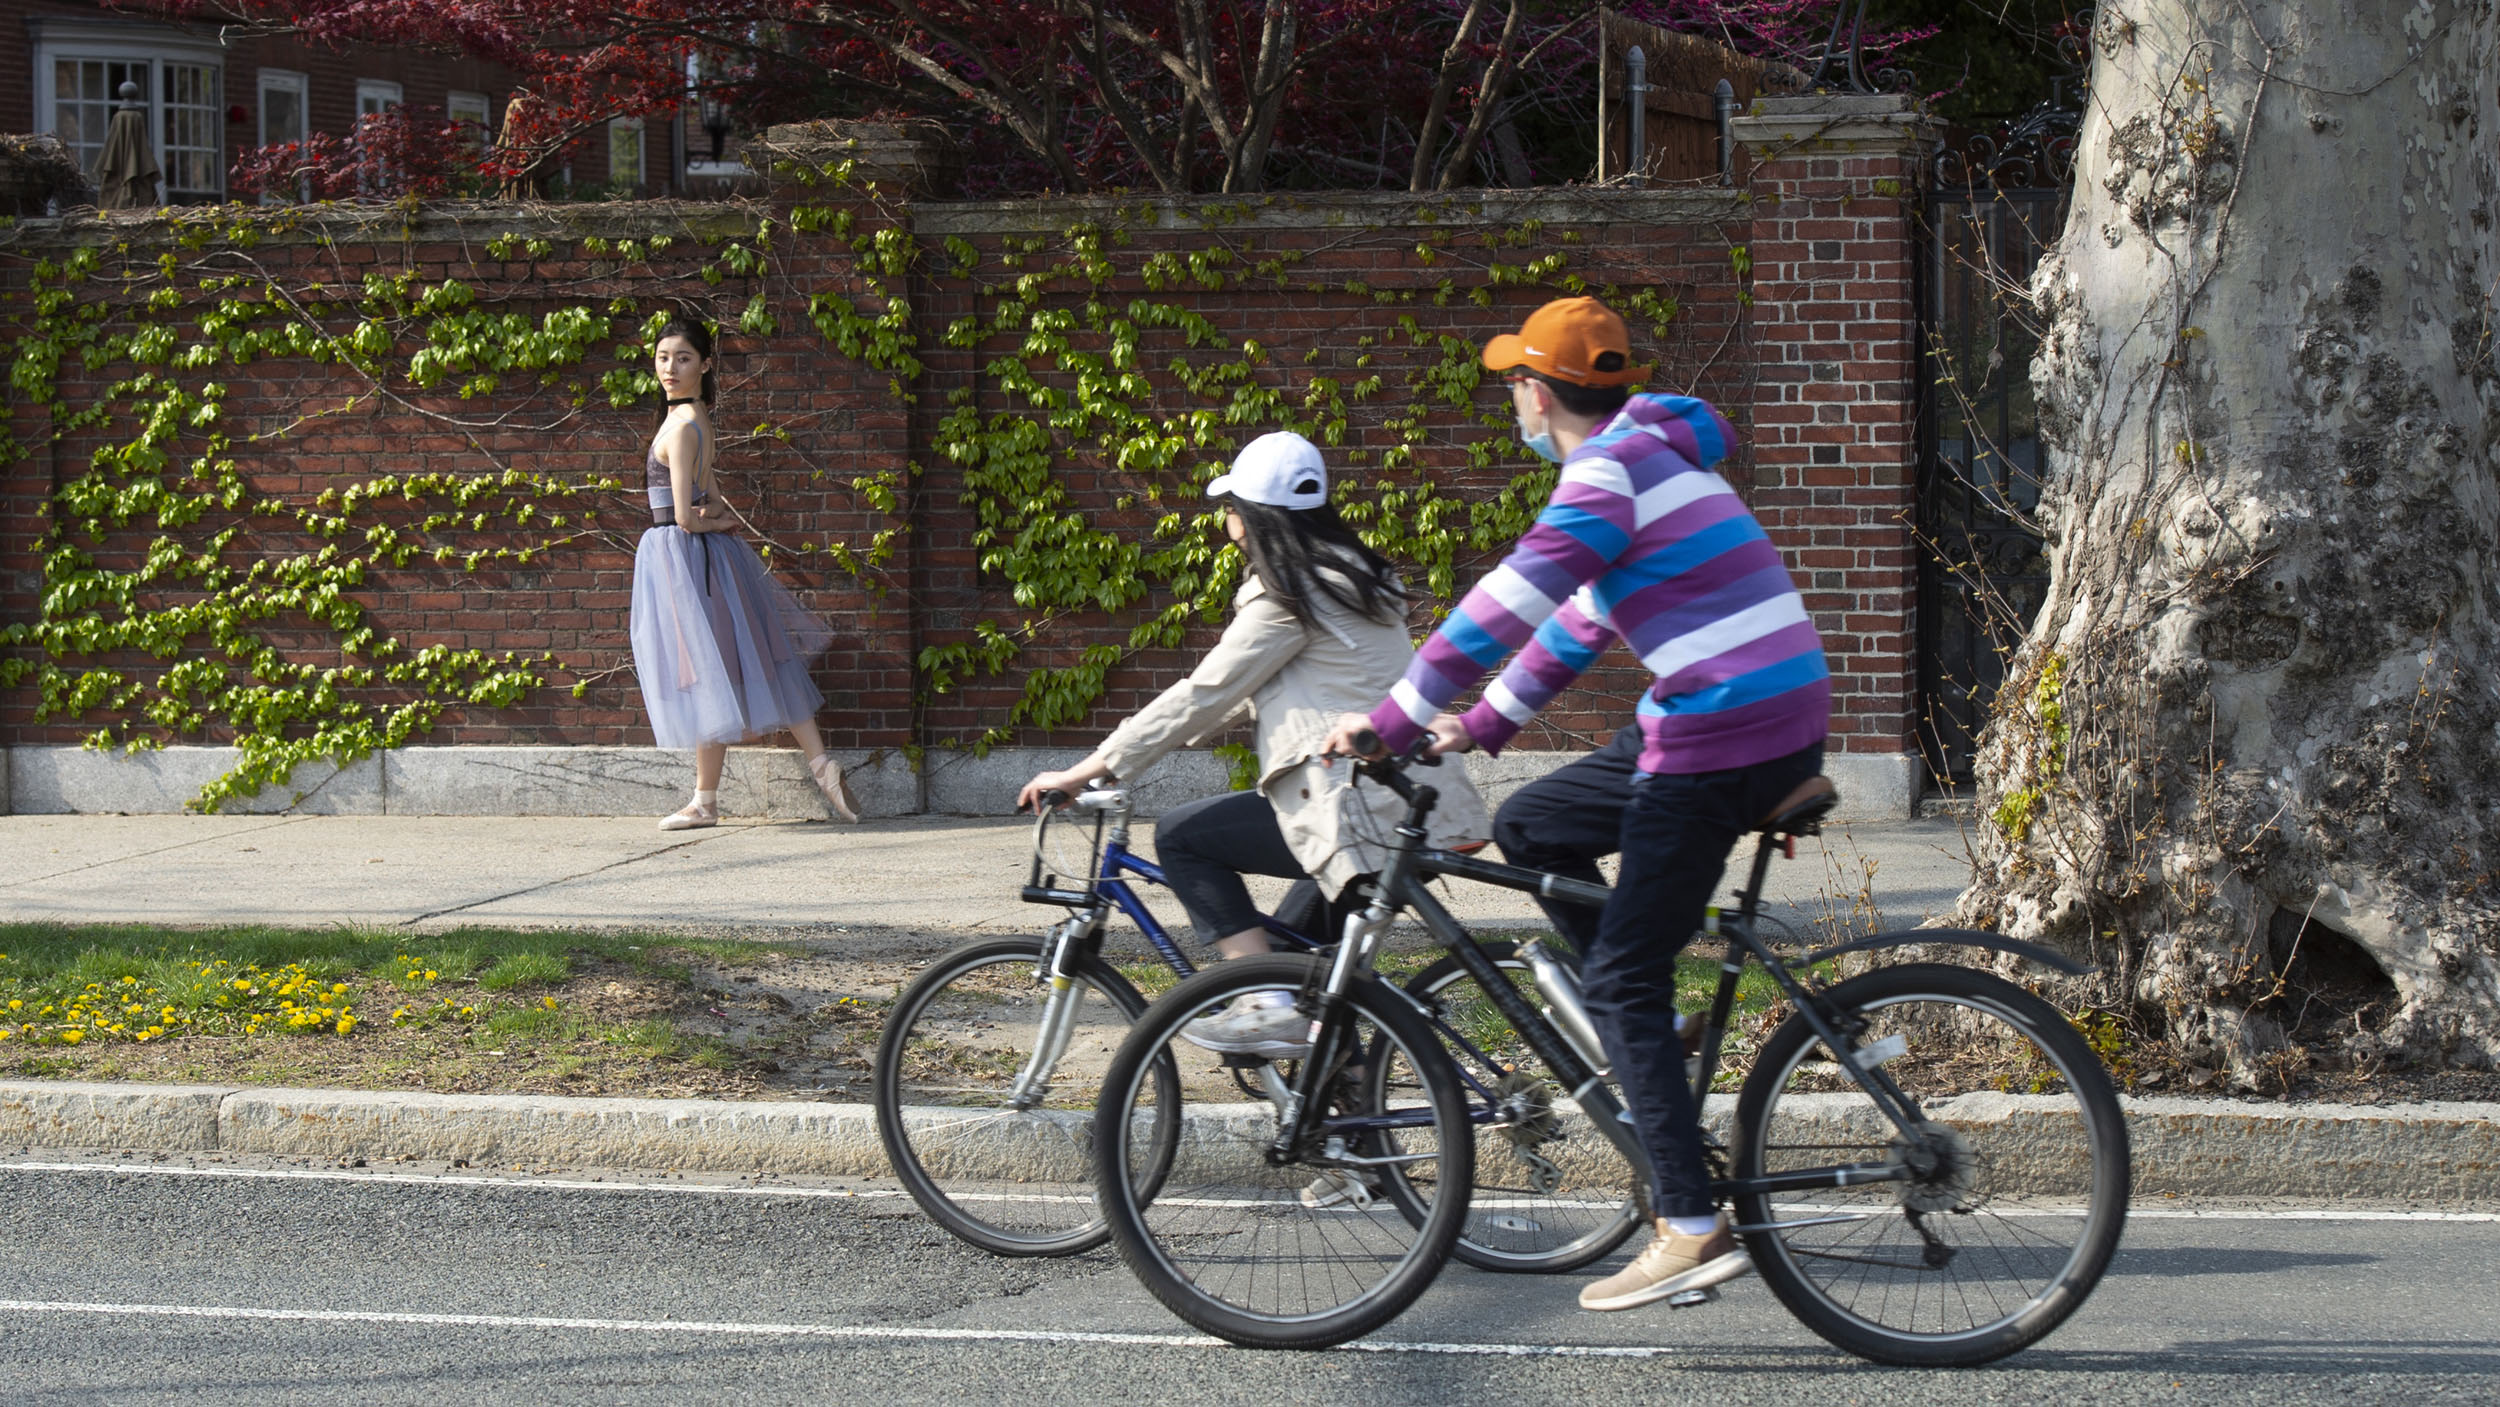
1339,1187
1252,1027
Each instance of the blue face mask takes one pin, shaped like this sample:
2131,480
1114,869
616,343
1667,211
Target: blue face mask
1542,446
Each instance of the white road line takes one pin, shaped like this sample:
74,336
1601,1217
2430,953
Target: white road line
769,1330
458,1180
2155,1211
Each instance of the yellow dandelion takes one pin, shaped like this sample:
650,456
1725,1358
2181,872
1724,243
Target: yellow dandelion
429,974
547,1002
346,1024
73,1035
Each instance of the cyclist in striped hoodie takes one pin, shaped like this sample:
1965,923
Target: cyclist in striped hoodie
1641,542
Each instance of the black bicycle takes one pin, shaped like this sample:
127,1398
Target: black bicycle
992,1058
1926,1163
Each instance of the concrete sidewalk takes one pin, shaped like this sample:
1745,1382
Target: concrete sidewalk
933,874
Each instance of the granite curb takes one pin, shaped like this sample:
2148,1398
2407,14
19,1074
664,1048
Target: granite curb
2441,1152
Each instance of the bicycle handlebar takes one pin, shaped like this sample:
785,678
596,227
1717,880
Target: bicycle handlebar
1101,799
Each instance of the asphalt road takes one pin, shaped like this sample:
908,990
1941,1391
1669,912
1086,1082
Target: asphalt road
240,1281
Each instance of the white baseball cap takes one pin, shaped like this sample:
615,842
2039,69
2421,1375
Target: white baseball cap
1280,469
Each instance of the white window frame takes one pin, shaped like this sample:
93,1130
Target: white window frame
375,96
461,105
127,42
617,127
284,80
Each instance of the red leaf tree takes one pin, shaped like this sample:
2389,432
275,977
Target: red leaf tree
1171,95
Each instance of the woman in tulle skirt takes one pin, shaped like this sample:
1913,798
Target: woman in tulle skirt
722,649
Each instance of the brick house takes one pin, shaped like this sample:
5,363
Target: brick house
62,64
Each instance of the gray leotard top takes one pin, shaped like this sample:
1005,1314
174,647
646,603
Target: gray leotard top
663,497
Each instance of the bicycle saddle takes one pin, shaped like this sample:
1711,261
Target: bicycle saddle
1801,812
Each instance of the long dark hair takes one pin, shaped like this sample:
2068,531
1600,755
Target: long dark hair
698,334
1289,547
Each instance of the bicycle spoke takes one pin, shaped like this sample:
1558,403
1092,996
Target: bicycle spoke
1977,1242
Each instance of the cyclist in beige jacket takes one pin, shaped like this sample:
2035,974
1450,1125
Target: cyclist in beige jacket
1318,630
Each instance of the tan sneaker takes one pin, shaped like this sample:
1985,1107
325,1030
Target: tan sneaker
1670,1265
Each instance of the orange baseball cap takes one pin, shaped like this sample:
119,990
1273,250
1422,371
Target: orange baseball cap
1567,340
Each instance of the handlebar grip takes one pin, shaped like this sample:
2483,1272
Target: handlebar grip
1366,743
1052,799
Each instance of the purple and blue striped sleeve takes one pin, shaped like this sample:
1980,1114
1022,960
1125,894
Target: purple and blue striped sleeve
1584,528
1562,650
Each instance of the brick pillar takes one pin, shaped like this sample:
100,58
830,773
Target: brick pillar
1835,185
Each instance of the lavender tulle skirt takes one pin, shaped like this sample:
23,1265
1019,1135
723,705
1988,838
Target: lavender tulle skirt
722,649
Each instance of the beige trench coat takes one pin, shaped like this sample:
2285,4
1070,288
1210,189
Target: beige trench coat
1297,682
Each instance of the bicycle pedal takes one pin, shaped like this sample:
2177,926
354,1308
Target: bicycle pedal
1686,1299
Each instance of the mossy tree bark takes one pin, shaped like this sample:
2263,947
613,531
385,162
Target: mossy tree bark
2247,754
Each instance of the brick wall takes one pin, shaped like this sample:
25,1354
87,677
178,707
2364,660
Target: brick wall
1810,355
1834,395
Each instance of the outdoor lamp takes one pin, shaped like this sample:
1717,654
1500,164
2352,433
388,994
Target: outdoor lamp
715,120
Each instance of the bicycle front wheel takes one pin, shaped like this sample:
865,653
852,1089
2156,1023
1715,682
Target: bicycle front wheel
1551,1194
1985,1231
991,1149
1301,1251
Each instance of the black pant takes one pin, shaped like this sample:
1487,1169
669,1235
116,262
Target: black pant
1563,821
1677,831
1206,846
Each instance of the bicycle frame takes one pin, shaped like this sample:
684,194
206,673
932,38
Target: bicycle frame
1081,933
1402,886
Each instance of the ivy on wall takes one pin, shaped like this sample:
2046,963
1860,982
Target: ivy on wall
177,598
1067,382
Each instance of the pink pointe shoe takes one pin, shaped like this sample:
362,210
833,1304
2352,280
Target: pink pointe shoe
837,788
693,816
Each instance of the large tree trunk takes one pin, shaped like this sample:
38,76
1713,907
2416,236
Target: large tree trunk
2251,736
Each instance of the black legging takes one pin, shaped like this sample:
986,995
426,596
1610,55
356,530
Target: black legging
1206,846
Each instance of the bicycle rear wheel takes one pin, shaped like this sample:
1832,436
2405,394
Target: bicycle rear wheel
1301,1253
1985,1248
1550,1194
1011,1175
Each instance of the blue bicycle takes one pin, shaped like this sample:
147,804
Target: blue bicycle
993,1058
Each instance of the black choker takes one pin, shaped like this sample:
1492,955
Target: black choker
685,400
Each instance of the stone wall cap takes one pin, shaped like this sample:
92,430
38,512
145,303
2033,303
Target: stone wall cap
1554,205
1834,105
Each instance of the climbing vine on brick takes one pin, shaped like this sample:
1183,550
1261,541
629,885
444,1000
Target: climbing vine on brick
177,597
179,602
1068,381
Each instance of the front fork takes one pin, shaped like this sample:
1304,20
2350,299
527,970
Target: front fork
1352,961
1061,954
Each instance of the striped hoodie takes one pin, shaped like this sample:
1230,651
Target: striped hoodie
1641,541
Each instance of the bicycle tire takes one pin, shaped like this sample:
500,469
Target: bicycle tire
1871,1267
1513,1226
1229,1243
996,1177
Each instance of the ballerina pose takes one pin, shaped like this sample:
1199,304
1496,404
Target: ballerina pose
721,648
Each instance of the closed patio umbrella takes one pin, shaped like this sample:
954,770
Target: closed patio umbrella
126,174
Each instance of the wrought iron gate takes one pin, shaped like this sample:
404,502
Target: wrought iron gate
1982,569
